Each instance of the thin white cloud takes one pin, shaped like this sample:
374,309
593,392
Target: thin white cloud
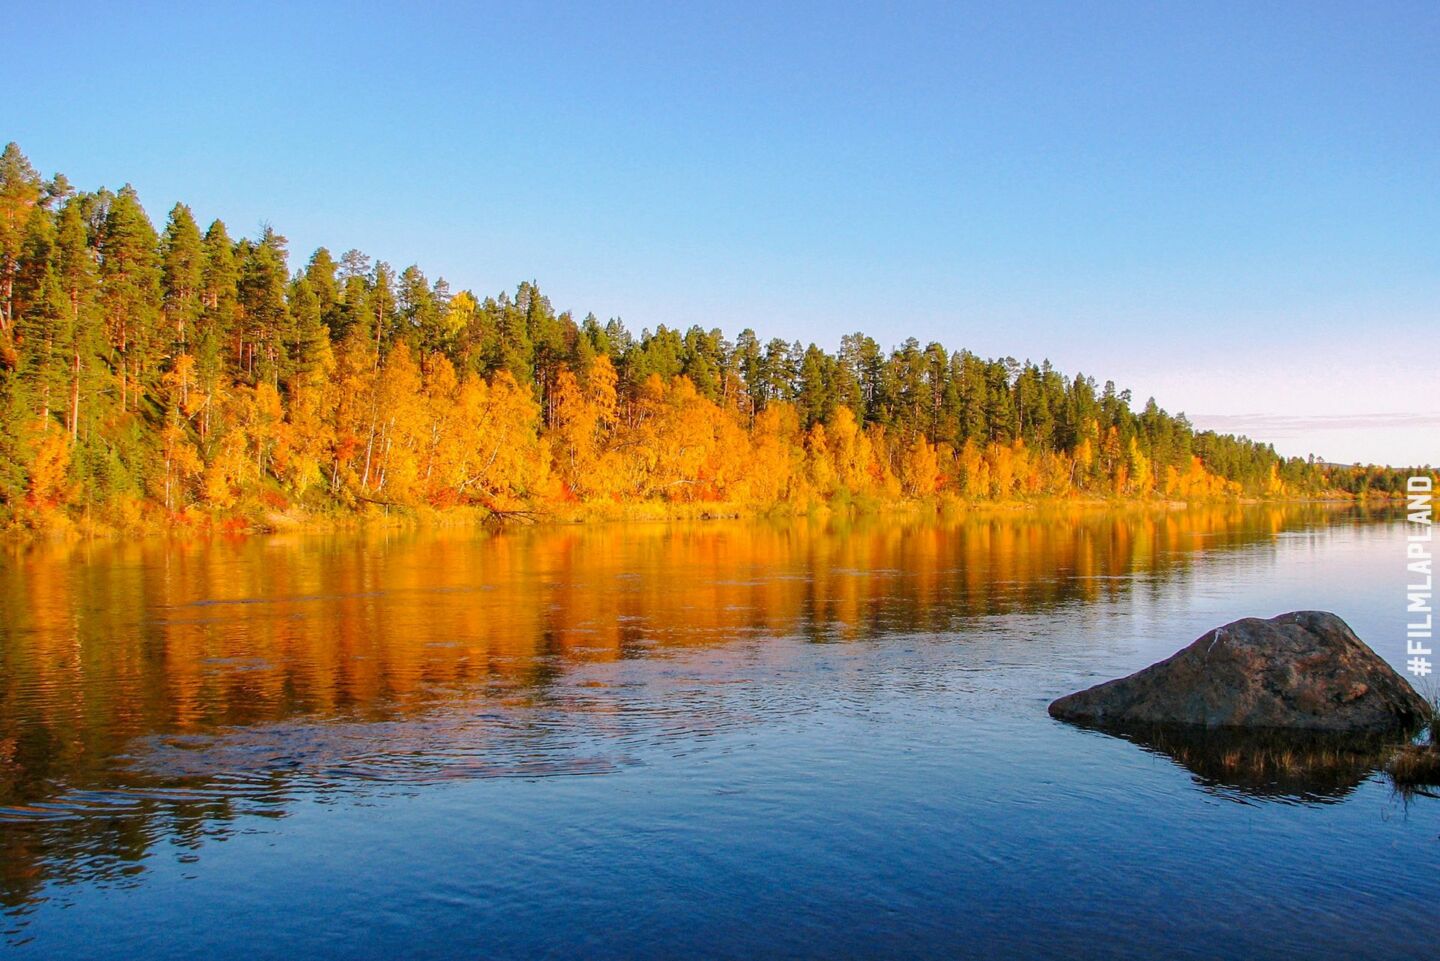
1263,426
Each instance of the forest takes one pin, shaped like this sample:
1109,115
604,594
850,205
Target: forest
184,377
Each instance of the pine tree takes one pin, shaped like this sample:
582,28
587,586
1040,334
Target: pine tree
420,313
36,250
182,268
42,332
20,192
320,272
813,398
219,319
309,347
75,265
381,306
130,292
265,317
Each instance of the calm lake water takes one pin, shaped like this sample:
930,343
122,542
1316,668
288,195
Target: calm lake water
719,740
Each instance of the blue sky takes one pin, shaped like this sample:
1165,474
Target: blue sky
1233,207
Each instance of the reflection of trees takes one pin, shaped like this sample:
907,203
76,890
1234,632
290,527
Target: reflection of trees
1279,765
104,644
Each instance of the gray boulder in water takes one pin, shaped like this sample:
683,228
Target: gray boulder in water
1305,670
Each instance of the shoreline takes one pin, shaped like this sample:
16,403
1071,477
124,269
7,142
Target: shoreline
410,517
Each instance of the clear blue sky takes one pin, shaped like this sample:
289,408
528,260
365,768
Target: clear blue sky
1233,207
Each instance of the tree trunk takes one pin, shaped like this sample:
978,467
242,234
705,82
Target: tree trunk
75,397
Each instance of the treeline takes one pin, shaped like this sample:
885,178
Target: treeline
183,374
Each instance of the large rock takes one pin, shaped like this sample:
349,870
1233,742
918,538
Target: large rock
1306,670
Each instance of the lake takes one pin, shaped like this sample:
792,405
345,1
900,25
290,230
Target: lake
711,740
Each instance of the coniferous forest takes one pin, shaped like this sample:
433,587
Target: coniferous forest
176,374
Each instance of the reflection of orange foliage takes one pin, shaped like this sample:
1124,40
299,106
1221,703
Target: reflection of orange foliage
125,640
367,624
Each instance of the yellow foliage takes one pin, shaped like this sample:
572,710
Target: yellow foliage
919,468
222,477
1142,479
409,430
819,462
48,486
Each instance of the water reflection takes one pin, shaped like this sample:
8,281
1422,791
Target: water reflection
157,692
1297,766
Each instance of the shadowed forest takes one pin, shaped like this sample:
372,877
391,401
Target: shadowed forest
179,376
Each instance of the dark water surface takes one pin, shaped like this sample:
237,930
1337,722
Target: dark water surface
724,740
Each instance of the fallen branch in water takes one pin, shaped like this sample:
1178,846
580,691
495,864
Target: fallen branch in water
527,516
372,500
